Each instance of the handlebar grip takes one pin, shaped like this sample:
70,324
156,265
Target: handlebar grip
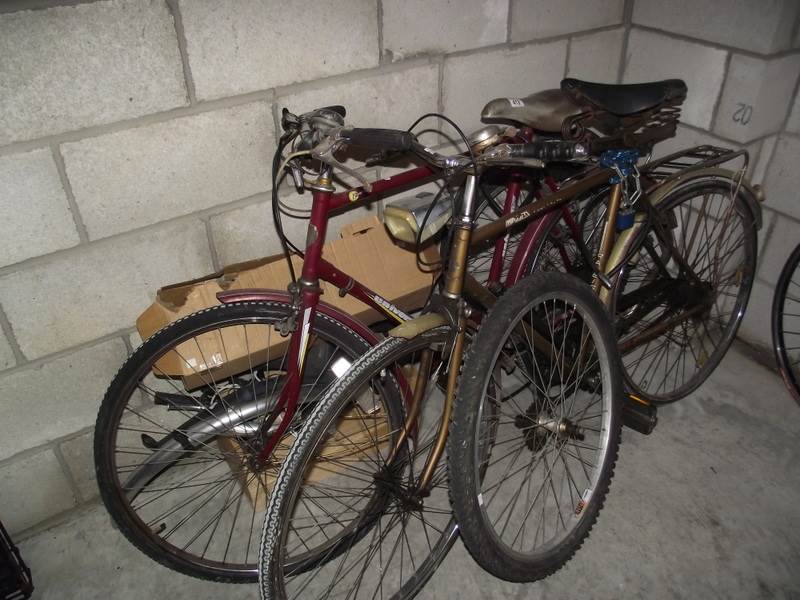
381,139
550,150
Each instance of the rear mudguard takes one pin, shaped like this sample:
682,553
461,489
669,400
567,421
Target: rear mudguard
259,295
752,194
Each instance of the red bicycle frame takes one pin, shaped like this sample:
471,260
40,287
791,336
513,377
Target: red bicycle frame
316,268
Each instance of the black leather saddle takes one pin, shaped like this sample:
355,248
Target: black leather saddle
625,99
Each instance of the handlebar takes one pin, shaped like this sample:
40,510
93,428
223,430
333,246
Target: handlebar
390,140
551,150
322,133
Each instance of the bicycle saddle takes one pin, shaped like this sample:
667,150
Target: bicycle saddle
545,110
625,99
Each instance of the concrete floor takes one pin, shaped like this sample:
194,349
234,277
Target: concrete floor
708,506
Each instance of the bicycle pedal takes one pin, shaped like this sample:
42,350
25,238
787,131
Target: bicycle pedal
639,414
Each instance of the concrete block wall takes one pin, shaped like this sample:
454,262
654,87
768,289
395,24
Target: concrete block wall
136,137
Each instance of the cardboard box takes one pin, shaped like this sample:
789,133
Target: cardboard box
355,441
365,252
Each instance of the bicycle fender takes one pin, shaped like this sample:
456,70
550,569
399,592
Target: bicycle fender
421,324
263,295
752,194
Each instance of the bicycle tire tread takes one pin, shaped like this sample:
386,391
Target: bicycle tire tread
463,501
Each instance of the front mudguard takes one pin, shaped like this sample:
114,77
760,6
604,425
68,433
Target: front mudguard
419,325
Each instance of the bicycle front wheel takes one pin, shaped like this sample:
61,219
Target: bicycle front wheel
536,428
349,485
786,323
176,433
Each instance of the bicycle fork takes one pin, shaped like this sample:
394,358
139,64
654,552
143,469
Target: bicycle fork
454,305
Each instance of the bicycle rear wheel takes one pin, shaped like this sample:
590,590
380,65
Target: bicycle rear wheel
786,323
174,432
536,428
673,331
346,487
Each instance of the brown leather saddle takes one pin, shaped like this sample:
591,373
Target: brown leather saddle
601,115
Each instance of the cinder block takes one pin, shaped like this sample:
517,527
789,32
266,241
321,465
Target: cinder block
687,137
6,354
35,216
650,57
34,489
81,295
783,177
141,176
763,27
471,81
596,57
768,217
532,19
57,398
238,46
393,100
754,327
78,453
74,66
249,232
434,26
756,96
793,125
759,171
135,339
777,248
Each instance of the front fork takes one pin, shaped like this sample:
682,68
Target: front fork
306,295
453,304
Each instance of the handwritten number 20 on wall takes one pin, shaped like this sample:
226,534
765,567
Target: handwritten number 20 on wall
743,113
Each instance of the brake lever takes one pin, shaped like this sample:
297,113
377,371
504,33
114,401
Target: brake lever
297,177
324,152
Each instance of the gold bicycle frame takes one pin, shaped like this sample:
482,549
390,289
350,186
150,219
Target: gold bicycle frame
457,281
613,250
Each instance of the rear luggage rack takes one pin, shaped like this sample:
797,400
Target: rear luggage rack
15,576
686,161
